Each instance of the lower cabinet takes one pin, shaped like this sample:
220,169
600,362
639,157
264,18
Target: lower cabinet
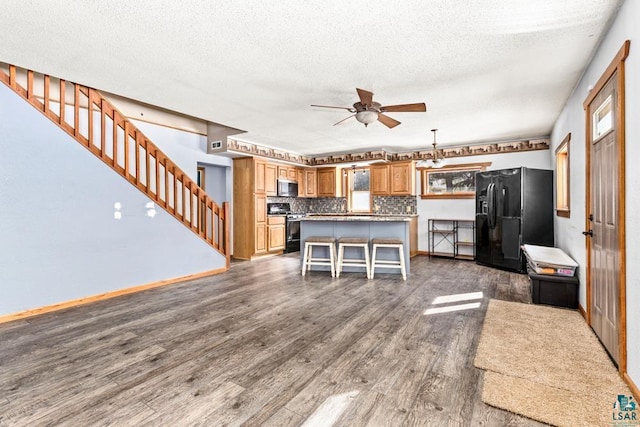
261,239
276,233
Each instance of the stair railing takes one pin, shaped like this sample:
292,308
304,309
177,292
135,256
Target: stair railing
96,124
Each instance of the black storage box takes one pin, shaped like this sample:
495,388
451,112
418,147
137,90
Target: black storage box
560,291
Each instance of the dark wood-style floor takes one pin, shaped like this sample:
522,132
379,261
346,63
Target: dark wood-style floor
260,345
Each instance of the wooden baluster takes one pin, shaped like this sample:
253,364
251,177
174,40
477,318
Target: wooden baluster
12,77
166,186
114,136
157,177
226,235
76,110
175,191
90,117
147,156
103,133
63,92
193,204
47,96
137,154
30,85
126,147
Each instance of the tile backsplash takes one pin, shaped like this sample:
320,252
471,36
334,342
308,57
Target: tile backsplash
386,205
395,205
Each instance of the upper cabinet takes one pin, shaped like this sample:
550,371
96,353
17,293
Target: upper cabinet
259,176
271,179
393,179
403,179
309,183
288,172
329,182
379,175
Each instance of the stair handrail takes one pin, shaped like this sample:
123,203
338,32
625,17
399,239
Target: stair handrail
182,197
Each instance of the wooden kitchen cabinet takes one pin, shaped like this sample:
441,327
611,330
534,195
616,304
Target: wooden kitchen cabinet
276,240
310,183
329,182
287,172
259,176
271,179
260,207
249,207
393,179
379,179
402,179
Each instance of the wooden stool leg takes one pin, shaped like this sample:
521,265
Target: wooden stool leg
340,260
367,261
402,266
373,261
304,258
332,256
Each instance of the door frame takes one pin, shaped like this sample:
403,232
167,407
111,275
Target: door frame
616,66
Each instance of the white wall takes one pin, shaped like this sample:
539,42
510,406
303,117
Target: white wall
572,119
465,208
58,238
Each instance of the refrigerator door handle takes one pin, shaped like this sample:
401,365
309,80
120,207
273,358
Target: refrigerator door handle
491,202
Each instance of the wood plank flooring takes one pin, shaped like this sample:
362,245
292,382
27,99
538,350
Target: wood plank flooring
260,345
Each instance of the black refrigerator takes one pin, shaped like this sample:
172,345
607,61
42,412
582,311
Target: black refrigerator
513,207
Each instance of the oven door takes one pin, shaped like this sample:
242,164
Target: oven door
293,235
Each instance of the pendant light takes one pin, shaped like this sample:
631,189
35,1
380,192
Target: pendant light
438,160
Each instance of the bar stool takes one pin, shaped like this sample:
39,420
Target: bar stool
320,241
353,242
393,244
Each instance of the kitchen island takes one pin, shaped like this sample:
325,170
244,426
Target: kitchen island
364,226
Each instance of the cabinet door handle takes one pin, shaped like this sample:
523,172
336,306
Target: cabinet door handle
588,233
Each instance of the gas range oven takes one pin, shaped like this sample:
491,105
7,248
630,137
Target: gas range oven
292,225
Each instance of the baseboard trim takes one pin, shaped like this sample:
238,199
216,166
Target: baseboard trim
107,295
634,388
582,311
422,253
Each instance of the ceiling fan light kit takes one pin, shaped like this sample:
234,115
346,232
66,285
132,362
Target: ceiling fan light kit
366,111
367,116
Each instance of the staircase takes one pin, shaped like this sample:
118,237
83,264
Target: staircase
97,125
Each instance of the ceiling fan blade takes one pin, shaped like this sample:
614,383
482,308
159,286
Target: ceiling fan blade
388,121
366,97
405,108
353,115
350,109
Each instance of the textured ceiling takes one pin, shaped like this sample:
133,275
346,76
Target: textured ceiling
488,70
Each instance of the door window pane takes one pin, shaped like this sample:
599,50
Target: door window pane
562,177
603,118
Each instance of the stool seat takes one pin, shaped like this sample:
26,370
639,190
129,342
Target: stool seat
358,240
353,242
319,241
393,243
383,241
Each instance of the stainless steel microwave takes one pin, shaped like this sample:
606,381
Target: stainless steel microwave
287,188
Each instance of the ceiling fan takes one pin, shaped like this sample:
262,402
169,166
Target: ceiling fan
367,111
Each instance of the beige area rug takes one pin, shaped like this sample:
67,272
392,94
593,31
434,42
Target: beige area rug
547,364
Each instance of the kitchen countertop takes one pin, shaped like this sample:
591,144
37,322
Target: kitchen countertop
347,217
